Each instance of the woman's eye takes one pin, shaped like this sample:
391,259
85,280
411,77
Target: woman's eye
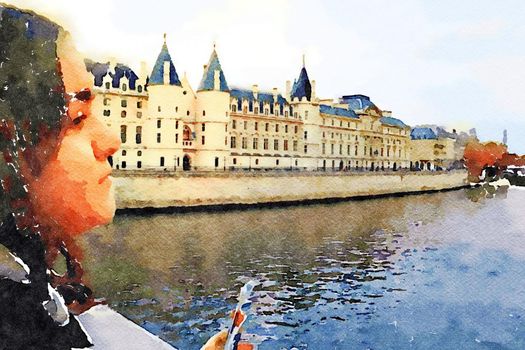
79,119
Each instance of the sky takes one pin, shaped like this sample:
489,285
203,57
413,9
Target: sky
458,64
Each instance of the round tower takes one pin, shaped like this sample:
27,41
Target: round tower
212,117
306,108
170,101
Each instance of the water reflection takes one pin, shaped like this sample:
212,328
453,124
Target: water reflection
178,275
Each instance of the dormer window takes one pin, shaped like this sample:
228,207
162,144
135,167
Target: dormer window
108,85
124,87
139,88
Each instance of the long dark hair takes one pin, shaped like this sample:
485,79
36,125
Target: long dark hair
32,109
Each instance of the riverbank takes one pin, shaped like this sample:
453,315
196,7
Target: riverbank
185,190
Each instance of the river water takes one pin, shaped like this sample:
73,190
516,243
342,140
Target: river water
432,271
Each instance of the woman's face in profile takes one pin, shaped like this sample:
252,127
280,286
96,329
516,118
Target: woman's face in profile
73,192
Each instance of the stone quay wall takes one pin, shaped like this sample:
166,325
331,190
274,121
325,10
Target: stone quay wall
162,190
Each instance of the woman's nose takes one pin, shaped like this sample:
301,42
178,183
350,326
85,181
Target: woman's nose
104,141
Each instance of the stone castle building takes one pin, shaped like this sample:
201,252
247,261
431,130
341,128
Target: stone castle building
165,125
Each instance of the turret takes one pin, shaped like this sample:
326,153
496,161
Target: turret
212,116
169,103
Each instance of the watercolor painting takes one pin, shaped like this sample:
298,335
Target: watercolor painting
262,175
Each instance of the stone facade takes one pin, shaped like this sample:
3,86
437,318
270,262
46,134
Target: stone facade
430,151
165,125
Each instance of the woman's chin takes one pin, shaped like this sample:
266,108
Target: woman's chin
107,209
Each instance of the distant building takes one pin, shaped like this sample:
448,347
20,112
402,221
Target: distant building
165,125
430,151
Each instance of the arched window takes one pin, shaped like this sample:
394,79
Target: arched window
186,133
124,87
139,88
123,114
161,161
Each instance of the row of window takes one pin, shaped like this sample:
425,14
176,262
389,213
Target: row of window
266,126
124,87
138,135
266,109
356,137
123,114
123,103
371,151
265,144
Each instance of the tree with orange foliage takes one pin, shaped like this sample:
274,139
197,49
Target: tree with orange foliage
509,159
479,156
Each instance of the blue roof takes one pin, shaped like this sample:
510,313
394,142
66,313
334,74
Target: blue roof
343,112
393,122
356,102
208,78
157,75
302,87
266,97
100,70
242,94
123,71
422,134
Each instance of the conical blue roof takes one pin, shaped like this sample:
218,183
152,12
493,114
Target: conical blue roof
302,87
157,75
208,78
